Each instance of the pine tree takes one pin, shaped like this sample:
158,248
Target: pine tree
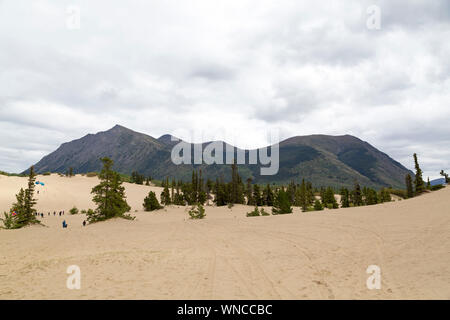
445,175
371,197
109,195
268,196
281,204
317,205
384,196
418,181
345,198
258,201
22,212
165,194
249,193
356,195
25,203
409,186
151,203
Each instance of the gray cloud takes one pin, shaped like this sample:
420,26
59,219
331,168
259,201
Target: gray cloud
244,66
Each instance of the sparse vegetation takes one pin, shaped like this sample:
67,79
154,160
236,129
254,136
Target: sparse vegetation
197,212
254,213
74,211
436,187
91,174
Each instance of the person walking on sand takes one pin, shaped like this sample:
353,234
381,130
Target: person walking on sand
64,224
84,223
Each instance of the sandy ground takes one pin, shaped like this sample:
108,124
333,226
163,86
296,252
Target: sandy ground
164,255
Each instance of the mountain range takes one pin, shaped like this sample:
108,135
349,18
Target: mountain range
322,159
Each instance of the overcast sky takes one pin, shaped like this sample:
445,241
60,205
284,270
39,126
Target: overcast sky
228,68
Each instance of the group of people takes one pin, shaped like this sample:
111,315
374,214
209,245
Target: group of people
61,213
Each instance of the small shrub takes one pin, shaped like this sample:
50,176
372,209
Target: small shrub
46,173
436,187
91,174
230,205
90,212
151,202
197,212
318,205
8,221
83,211
254,213
264,213
398,192
73,211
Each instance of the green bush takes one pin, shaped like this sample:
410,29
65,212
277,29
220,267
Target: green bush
91,174
264,213
398,192
90,212
282,204
151,202
47,173
318,205
197,212
254,213
436,187
83,211
8,221
74,210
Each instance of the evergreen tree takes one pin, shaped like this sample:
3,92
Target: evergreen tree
24,207
22,212
371,197
345,198
268,196
409,186
165,194
281,204
445,175
328,199
384,196
428,183
356,195
151,203
317,205
258,201
249,193
418,181
109,195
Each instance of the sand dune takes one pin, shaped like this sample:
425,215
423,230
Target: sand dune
162,255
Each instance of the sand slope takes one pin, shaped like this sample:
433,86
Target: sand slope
161,255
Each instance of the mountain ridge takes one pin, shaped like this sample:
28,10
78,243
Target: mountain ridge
321,159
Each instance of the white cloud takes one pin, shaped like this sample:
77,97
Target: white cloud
226,66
